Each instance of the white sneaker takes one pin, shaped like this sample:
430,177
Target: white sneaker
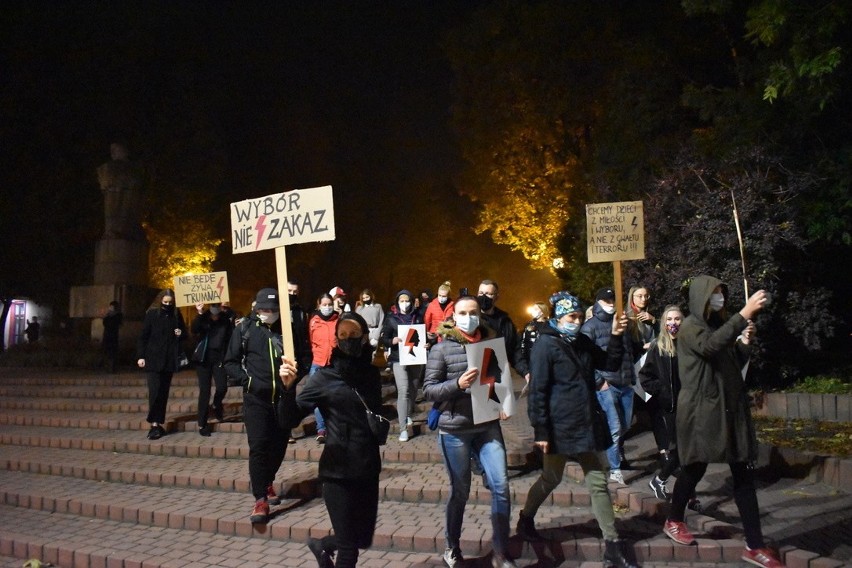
452,557
409,421
617,477
403,436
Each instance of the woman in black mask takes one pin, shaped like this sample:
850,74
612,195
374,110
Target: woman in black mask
156,353
350,463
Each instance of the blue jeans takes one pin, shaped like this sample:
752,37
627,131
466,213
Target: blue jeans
457,449
623,399
606,401
320,420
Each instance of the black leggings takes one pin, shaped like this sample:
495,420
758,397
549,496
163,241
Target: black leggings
267,441
745,497
352,507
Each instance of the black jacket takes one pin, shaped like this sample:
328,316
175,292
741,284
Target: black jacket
157,343
256,366
500,322
390,329
217,332
301,343
562,389
351,450
659,377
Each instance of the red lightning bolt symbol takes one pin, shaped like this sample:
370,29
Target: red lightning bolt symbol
260,227
221,286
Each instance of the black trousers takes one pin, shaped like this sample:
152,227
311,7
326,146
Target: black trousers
267,442
211,371
159,385
352,505
745,496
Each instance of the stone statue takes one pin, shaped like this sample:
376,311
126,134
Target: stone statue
121,183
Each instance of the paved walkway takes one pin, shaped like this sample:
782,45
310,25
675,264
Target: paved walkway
80,486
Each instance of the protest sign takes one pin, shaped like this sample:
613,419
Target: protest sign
207,288
492,391
412,344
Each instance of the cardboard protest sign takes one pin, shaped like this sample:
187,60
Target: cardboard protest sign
412,344
492,392
292,217
615,231
207,288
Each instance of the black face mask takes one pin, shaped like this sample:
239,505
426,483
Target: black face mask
168,308
367,302
485,302
294,299
351,347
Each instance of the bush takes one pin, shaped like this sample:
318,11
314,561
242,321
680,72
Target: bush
822,384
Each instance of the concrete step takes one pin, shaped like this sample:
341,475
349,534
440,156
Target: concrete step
409,527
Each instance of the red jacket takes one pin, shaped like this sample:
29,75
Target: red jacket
323,340
435,314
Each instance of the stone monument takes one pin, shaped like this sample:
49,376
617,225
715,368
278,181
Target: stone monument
121,254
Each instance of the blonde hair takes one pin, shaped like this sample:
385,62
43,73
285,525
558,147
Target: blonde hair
545,309
445,287
664,339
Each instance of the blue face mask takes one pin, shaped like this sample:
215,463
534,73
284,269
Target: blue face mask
569,329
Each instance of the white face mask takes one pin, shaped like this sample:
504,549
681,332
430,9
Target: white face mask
443,299
268,319
608,308
536,313
467,324
717,302
404,306
326,310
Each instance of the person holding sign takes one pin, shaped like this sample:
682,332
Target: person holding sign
213,331
448,381
713,418
567,419
404,375
156,353
255,357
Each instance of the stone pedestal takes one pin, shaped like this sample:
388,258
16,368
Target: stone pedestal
120,260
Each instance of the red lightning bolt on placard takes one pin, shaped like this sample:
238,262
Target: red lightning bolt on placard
260,227
221,286
486,376
409,340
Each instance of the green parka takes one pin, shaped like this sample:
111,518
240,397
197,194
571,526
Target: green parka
713,418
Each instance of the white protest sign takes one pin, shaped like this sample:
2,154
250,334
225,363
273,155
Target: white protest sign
207,288
492,391
292,217
615,231
412,344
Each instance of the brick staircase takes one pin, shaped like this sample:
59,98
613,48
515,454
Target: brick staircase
81,487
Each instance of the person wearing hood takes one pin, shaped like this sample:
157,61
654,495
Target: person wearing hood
157,350
448,380
566,418
712,349
406,376
321,332
350,463
255,358
213,331
615,387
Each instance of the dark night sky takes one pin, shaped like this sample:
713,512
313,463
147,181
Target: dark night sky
284,95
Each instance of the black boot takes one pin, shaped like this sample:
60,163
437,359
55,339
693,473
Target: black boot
614,556
526,529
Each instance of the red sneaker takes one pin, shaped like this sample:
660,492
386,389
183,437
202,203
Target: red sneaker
678,532
761,557
260,513
272,496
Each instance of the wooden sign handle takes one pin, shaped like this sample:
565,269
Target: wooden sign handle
619,297
284,302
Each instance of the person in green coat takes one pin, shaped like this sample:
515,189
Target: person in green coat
712,349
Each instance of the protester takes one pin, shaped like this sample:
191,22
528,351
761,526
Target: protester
255,357
712,349
448,379
438,310
642,326
497,319
659,378
33,330
321,328
157,350
615,388
340,300
372,313
350,464
301,342
112,321
565,416
405,376
212,330
540,313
